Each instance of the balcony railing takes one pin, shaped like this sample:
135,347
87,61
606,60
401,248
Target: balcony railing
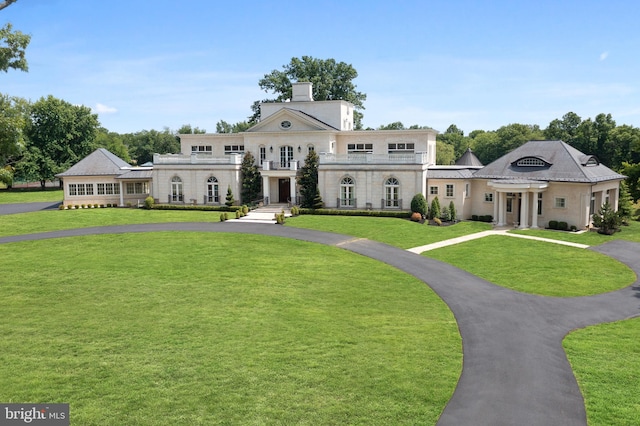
274,165
409,158
196,159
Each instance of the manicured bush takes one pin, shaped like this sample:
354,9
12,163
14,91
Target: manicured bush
437,221
102,206
573,228
474,217
95,206
419,204
563,226
245,209
61,207
280,218
553,224
434,210
82,206
452,211
445,215
229,198
114,205
226,216
148,202
222,219
238,214
416,217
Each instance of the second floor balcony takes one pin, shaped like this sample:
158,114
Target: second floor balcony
404,158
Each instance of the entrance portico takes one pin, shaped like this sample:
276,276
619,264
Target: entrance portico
527,189
279,184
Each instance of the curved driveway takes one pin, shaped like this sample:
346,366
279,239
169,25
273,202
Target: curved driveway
515,371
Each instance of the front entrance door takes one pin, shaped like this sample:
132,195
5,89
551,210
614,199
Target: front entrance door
284,191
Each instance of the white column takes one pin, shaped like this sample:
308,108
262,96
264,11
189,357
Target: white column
265,188
292,189
495,207
534,211
121,194
524,210
501,207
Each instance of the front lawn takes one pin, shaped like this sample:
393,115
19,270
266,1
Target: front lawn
537,267
400,233
606,361
55,220
628,233
29,195
203,328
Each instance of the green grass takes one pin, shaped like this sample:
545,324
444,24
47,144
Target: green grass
55,220
396,232
629,233
537,267
606,362
29,196
200,328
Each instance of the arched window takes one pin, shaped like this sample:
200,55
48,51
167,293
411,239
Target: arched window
391,190
286,155
213,195
176,189
347,192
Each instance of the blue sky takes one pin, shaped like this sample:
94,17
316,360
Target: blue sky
143,64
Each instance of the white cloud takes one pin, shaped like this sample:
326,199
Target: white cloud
604,56
104,109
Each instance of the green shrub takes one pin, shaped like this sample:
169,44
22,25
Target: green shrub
280,218
95,206
607,220
148,202
114,205
453,215
474,217
226,216
102,206
553,224
416,217
245,209
446,215
563,226
238,214
573,228
434,210
419,204
61,207
437,221
82,206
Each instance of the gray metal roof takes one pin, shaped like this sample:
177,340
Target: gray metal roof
445,172
469,159
563,164
137,174
99,163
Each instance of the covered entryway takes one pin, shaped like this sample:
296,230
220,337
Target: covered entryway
517,198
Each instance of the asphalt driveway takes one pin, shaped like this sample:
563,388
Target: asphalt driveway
515,371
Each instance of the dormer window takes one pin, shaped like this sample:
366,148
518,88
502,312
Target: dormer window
591,161
530,162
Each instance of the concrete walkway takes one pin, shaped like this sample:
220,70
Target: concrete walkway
482,234
515,371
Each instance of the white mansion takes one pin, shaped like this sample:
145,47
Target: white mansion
537,182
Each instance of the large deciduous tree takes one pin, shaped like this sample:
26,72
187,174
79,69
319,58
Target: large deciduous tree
142,145
59,134
331,81
12,49
251,179
14,114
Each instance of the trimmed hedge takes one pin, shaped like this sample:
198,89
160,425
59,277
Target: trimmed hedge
482,218
374,213
199,208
